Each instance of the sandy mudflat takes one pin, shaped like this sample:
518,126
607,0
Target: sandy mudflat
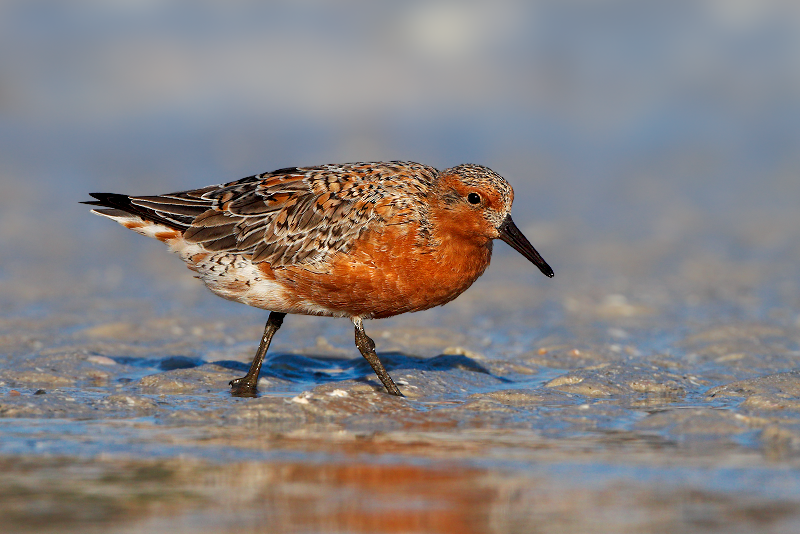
528,403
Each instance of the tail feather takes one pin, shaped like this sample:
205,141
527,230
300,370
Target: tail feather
122,205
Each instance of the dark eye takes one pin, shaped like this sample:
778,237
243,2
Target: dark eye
474,198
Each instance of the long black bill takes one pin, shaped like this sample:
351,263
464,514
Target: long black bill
511,235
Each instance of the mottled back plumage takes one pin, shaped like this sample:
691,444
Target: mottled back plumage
295,215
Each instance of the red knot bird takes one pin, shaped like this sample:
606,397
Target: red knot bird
358,240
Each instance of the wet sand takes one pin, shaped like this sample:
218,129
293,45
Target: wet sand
530,406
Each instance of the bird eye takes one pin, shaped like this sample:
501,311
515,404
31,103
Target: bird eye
474,198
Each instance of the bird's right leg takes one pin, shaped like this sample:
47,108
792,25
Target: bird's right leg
246,386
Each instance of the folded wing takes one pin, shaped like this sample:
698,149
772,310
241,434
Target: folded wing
287,217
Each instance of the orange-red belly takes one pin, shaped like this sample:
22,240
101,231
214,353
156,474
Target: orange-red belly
388,272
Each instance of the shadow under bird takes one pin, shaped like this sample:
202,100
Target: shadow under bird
357,240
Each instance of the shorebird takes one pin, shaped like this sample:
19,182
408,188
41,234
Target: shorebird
358,240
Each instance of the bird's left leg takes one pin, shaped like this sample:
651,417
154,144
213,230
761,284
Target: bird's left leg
367,348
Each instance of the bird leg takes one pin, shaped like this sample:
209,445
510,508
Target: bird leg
367,348
246,386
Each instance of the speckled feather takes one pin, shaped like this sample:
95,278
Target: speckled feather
357,239
297,215
302,215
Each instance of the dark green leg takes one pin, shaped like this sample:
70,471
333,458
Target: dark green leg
246,386
367,348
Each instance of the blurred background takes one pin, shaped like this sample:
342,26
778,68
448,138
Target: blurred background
650,143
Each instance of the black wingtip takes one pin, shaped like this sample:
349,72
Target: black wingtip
123,203
110,200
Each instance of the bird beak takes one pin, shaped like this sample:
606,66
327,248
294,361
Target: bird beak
511,235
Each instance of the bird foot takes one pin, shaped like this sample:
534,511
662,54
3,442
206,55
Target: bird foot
243,387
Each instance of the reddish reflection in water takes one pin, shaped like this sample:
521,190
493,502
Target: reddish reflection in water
350,496
362,498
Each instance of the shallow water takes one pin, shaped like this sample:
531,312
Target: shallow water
651,386
610,415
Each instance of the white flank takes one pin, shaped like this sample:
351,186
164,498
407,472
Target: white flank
231,276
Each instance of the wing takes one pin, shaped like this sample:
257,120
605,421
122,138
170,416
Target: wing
291,216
